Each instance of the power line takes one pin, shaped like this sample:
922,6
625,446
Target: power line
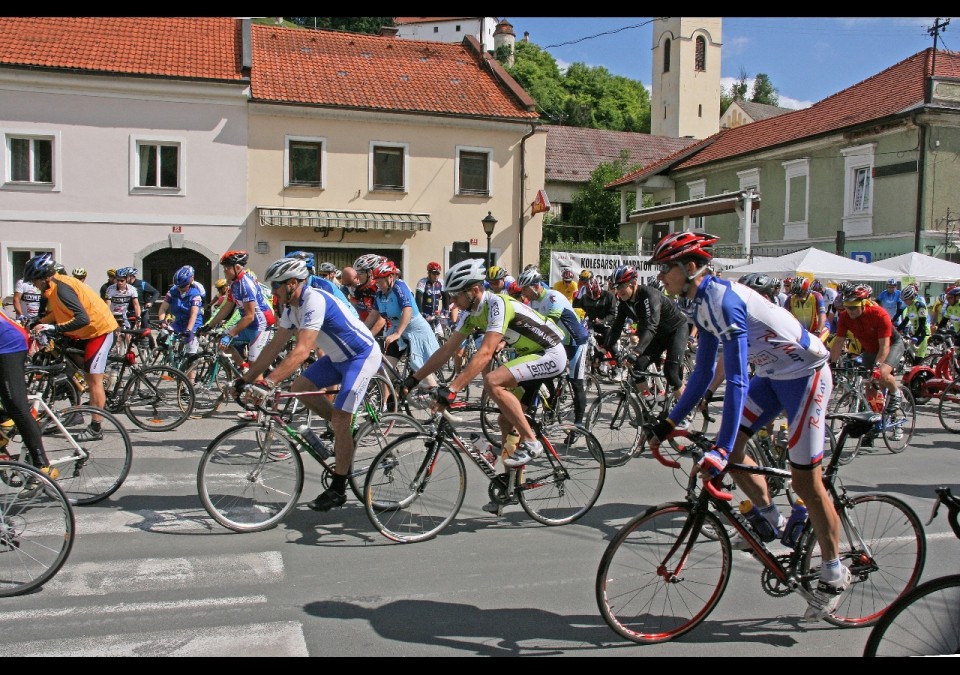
607,32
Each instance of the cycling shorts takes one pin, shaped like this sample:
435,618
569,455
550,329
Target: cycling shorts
353,376
535,366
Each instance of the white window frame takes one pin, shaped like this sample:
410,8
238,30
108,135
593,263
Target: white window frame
750,180
856,158
460,149
406,166
6,170
696,190
798,229
287,178
181,145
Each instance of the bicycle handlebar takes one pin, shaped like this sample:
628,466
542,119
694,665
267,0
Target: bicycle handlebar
945,496
698,440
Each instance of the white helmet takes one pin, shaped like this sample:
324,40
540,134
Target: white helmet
286,268
529,278
464,274
367,262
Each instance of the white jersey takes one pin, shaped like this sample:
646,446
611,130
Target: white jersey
341,334
121,301
29,298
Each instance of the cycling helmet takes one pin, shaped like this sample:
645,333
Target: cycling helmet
305,256
220,283
679,245
286,268
494,273
788,283
800,286
59,268
464,275
183,276
761,283
623,274
231,258
953,292
586,275
777,285
891,282
132,271
123,273
857,294
79,273
593,288
111,273
816,286
908,293
529,278
367,262
515,291
385,269
326,268
434,267
567,274
39,267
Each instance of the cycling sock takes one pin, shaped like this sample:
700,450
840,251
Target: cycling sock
772,514
338,483
95,425
831,570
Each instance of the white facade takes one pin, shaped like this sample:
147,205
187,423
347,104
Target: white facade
444,29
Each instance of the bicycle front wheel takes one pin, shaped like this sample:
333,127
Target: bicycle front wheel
562,484
653,585
158,398
250,477
949,409
888,564
371,438
209,381
615,419
898,424
36,528
924,622
414,489
92,465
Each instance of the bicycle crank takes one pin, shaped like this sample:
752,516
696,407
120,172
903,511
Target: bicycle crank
773,586
499,492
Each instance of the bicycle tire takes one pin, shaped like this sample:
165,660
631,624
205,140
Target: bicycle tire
210,382
615,419
776,486
414,490
923,622
489,420
848,401
893,533
250,477
903,418
158,398
948,411
631,585
564,483
370,438
36,528
108,461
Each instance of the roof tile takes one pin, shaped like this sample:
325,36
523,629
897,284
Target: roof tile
574,152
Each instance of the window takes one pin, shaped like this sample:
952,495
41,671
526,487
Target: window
750,180
458,28
388,167
31,160
797,199
666,55
697,190
436,29
305,160
473,171
700,62
157,165
861,189
858,189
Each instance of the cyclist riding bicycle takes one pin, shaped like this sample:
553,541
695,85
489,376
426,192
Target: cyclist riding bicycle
184,302
792,376
430,296
807,305
914,321
537,341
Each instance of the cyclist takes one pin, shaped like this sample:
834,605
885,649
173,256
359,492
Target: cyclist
498,281
890,300
538,343
429,292
329,271
320,281
221,286
661,326
350,358
914,321
111,280
79,273
185,302
807,305
26,301
600,309
565,285
74,310
146,293
950,314
408,331
256,314
123,301
792,376
554,305
365,290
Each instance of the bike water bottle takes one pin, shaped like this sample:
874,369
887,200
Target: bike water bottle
481,445
315,442
794,526
510,444
760,524
763,436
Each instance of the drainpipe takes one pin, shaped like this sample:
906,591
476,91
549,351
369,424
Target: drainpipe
523,184
921,165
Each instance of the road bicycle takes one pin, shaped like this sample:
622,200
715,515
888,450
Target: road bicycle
90,471
416,485
251,475
36,528
667,568
925,621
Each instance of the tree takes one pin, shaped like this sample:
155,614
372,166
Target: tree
764,91
352,24
596,210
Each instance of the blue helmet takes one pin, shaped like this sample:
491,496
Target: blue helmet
39,267
305,256
183,276
123,273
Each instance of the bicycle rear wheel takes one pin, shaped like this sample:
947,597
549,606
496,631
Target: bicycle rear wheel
898,424
949,408
562,484
36,528
924,622
94,477
373,436
250,477
210,381
413,489
158,398
615,419
650,586
890,566
847,401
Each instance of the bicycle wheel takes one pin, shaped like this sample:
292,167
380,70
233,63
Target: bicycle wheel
210,382
36,528
615,419
489,420
654,586
158,398
776,486
890,566
250,477
373,436
565,481
414,489
949,409
924,622
898,424
847,401
94,477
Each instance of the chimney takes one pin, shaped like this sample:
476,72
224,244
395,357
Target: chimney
526,36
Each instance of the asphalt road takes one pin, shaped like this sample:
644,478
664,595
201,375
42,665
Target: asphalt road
151,574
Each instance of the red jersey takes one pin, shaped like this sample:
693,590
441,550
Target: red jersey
872,324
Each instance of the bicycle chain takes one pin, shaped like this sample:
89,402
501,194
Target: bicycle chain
771,585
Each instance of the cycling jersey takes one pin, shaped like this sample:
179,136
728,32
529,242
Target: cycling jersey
430,296
950,317
568,288
891,302
121,302
523,328
808,310
362,299
418,334
555,306
180,303
872,324
915,316
29,298
13,336
245,289
333,289
76,309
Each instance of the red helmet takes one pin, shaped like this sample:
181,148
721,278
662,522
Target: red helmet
567,274
857,294
385,269
800,285
234,258
433,267
593,287
680,245
623,274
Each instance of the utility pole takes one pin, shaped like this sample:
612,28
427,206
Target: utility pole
935,31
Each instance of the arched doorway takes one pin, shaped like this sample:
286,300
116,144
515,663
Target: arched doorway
160,266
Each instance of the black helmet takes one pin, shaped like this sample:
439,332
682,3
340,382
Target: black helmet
39,267
235,258
761,283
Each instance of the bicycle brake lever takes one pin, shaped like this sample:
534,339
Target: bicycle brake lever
655,451
715,491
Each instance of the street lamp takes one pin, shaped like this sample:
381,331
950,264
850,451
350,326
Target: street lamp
489,222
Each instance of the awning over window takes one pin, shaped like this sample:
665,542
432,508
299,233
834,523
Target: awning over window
729,202
361,221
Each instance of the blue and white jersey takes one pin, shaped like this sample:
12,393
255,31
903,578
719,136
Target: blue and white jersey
751,330
554,305
342,336
179,305
391,304
244,289
333,289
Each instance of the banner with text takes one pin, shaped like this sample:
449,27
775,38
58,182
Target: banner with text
603,265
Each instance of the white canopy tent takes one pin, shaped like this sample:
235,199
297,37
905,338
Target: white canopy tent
820,264
920,266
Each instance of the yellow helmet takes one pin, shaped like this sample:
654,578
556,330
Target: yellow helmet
221,282
111,273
